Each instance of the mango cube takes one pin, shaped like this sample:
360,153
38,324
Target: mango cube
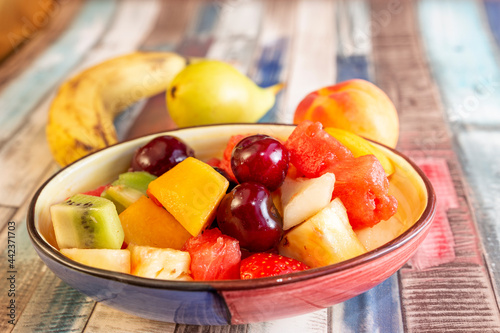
145,223
191,191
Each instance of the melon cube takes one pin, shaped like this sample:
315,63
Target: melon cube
112,260
324,239
145,223
191,192
303,197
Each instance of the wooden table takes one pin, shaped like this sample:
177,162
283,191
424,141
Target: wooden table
437,60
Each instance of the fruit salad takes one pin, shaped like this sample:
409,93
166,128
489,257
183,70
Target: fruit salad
265,207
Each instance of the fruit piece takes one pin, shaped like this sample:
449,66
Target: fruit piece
157,263
268,264
359,147
303,197
97,191
160,155
144,223
190,191
312,150
261,159
138,180
211,92
214,256
354,105
128,188
223,172
225,163
248,214
86,222
381,233
363,187
324,239
21,20
81,115
112,260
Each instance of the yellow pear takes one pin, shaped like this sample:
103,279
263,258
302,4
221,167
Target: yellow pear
211,91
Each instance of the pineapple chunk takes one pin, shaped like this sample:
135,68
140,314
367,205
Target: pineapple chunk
380,233
191,192
112,260
157,263
324,239
303,197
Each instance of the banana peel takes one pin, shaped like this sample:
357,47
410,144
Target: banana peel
82,113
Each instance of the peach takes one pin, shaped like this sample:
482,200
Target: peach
354,105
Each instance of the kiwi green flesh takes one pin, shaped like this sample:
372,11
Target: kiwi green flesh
138,180
87,222
122,196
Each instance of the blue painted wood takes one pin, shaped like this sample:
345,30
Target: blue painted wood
463,59
493,14
352,67
269,71
53,65
377,310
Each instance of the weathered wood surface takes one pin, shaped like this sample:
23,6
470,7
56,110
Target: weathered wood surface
437,60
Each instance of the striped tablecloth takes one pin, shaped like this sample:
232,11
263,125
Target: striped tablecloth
437,60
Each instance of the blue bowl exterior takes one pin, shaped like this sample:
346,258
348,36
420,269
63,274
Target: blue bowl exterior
178,306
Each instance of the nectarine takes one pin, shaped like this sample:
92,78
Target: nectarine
354,105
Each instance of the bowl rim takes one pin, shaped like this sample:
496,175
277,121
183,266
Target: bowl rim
420,225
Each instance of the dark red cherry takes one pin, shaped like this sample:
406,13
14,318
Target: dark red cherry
248,214
262,159
160,155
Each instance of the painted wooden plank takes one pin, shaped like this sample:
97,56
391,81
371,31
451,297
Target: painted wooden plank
438,246
482,166
55,307
315,322
313,54
106,319
19,98
492,9
377,310
199,34
354,40
236,33
457,296
29,267
463,58
272,56
173,20
61,15
27,148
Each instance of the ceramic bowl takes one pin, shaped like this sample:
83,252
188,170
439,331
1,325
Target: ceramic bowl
231,301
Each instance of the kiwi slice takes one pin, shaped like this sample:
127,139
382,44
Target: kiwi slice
138,180
128,188
87,222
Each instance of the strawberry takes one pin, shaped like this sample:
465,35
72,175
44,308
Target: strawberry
268,264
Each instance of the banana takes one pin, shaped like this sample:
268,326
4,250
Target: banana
82,112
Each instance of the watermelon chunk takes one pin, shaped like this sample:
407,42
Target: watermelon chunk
225,163
362,186
313,150
214,256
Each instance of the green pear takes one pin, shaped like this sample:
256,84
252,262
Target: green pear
211,92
